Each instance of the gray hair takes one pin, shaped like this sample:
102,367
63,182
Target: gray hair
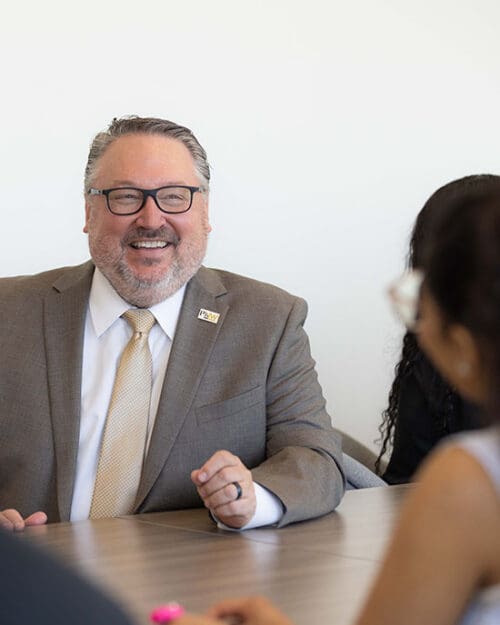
133,124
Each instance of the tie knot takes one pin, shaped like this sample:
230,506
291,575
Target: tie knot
140,319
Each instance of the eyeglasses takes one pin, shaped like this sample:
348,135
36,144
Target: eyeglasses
129,200
404,294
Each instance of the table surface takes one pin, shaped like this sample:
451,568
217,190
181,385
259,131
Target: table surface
316,571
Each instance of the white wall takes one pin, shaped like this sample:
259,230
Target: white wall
327,124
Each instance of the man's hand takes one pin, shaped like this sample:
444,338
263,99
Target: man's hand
12,521
215,482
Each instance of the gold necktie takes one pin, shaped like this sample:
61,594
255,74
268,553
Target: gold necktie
123,447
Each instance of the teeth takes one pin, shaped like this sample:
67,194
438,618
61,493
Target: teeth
149,244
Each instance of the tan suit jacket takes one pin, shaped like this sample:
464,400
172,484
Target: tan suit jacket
246,384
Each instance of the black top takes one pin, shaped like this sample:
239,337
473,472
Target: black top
35,588
429,409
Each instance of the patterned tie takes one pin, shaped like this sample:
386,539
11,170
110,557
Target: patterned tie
123,447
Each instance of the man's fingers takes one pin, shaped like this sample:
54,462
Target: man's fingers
11,520
227,494
37,518
227,489
236,512
225,478
213,465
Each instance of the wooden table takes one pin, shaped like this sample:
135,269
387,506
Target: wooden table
317,571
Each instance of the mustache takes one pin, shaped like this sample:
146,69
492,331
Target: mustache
160,234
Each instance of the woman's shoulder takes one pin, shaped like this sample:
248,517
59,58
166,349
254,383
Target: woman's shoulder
461,483
457,485
483,449
467,458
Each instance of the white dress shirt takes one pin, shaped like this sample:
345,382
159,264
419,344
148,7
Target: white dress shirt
106,335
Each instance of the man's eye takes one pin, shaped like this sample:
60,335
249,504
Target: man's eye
174,196
124,197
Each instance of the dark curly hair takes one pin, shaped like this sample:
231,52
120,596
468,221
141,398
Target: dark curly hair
438,209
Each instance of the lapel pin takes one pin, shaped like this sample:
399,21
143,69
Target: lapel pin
208,315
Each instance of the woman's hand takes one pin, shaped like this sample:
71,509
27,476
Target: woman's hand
245,611
248,611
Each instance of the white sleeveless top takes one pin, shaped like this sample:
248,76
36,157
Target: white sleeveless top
484,446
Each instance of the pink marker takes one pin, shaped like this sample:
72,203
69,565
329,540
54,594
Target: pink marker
166,613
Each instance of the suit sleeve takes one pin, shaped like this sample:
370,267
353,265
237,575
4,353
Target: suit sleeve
303,465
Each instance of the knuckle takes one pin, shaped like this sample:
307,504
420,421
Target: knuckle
224,475
204,493
232,508
229,491
227,455
11,514
214,500
208,504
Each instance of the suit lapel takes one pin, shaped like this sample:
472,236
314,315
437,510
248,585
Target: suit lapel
193,343
64,321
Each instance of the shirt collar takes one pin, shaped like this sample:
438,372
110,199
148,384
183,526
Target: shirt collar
106,306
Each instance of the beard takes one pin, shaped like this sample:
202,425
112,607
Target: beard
110,257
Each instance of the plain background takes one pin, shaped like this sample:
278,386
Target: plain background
327,124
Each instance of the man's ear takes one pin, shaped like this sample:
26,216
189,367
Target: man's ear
209,225
87,217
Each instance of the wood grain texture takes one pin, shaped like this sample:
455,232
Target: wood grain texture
316,571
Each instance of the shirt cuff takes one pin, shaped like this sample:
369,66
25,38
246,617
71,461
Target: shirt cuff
268,511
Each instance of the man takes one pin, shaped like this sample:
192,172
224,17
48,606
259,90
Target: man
234,412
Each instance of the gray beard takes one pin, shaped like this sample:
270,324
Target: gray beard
142,293
147,293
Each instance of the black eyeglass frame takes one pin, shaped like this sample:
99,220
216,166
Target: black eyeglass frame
145,194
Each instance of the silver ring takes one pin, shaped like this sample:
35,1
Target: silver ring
239,492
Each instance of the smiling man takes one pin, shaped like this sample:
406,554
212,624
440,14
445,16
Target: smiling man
143,381
147,255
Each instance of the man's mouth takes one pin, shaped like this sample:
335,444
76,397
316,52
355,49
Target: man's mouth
145,239
148,244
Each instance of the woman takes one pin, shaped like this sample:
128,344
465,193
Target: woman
443,564
424,408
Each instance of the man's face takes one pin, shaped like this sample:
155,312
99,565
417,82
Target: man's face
142,275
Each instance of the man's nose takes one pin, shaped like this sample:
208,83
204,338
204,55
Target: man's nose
150,216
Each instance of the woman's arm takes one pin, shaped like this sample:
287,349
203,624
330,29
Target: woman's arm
443,547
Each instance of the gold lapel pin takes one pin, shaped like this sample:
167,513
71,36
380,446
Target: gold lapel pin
208,315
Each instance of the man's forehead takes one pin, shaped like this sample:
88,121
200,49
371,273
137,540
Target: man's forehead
133,154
